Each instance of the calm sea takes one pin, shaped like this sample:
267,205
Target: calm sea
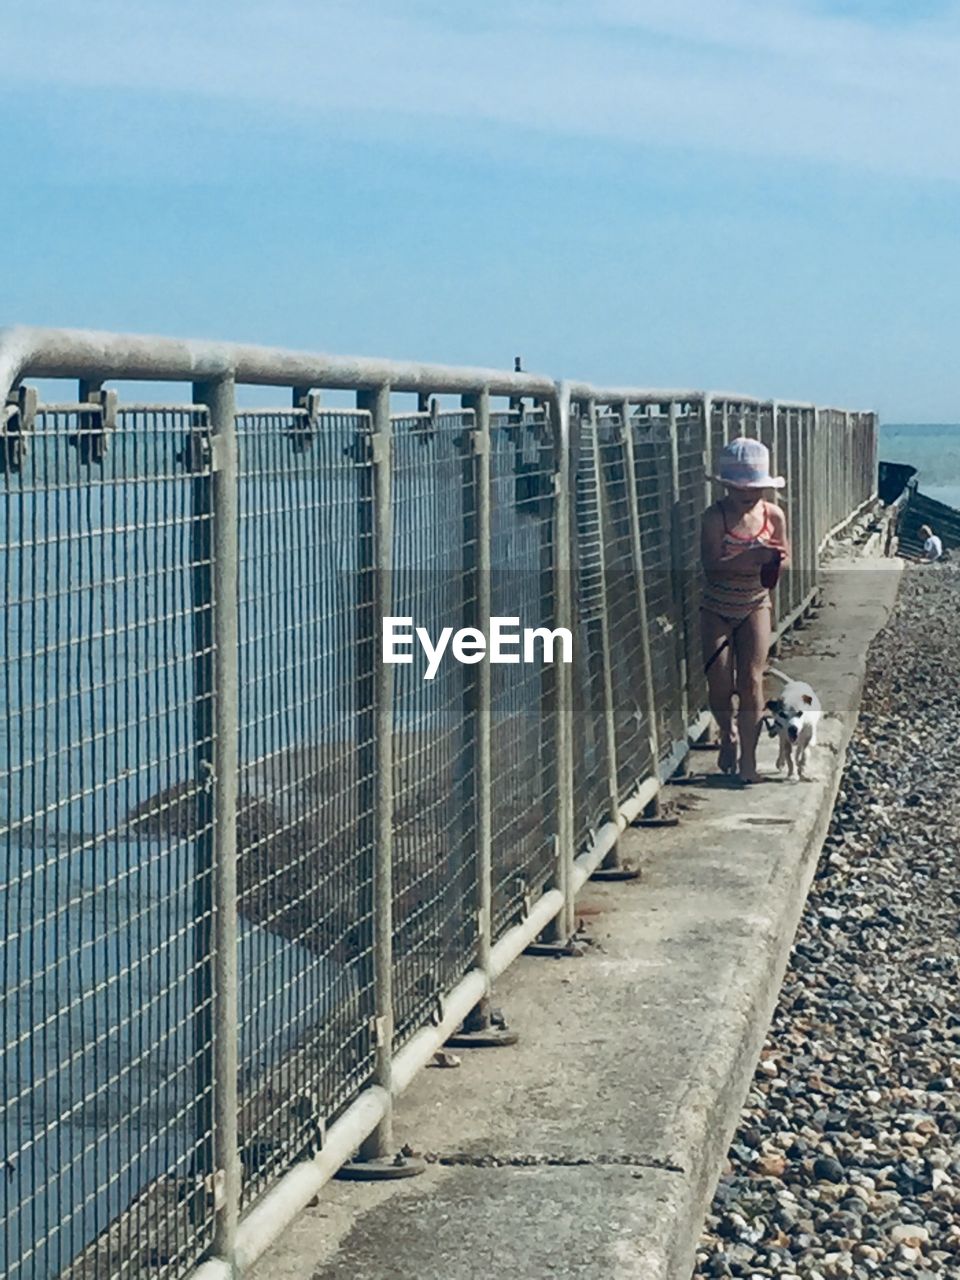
933,448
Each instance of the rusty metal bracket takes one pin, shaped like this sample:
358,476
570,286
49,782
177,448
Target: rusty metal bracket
307,1108
437,1012
306,407
96,419
428,407
197,453
428,404
17,422
526,897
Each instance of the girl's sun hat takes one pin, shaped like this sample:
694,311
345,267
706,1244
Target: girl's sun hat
745,464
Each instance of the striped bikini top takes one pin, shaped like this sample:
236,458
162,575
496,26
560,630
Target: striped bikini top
747,540
733,592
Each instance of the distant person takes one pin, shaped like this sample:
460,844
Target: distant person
932,546
743,545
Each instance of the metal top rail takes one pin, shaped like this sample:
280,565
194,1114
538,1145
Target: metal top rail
655,395
70,353
85,353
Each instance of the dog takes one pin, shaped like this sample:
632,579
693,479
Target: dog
794,717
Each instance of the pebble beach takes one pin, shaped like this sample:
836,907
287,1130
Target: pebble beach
846,1162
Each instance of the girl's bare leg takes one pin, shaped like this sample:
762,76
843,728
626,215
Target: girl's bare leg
720,684
752,643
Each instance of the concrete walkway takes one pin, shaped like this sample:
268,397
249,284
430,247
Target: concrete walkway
591,1148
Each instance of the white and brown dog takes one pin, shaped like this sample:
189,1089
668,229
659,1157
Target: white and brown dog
793,717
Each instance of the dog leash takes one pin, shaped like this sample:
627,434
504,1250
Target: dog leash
724,643
769,575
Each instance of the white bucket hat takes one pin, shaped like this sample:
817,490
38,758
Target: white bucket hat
745,464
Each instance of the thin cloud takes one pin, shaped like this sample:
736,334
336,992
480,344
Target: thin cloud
745,79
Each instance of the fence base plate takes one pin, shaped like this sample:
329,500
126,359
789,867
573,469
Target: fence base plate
381,1169
483,1038
572,948
623,873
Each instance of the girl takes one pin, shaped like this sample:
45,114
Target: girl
743,544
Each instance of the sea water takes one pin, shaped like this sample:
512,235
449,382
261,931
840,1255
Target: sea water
934,449
97,691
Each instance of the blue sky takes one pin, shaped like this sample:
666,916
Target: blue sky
761,195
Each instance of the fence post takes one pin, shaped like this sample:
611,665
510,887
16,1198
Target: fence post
810,558
775,451
819,481
216,551
636,540
677,574
478,1030
557,937
375,771
788,585
873,479
707,449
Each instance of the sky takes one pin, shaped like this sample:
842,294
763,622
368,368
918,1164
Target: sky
755,195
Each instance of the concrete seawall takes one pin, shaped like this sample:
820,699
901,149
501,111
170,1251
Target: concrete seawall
591,1148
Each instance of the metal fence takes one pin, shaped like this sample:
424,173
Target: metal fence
254,876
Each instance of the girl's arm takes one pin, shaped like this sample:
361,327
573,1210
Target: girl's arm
711,539
778,527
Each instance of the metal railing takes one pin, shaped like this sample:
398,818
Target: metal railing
255,876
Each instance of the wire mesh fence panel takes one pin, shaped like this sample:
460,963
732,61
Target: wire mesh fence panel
750,421
836,468
825,451
798,532
787,590
768,434
688,575
523,720
799,577
717,429
737,424
820,473
864,457
592,792
808,552
632,728
846,504
653,467
771,437
106,951
786,587
858,455
304,848
435,868
874,455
